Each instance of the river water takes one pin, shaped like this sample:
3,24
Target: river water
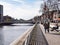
9,33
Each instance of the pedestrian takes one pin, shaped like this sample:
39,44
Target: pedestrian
46,26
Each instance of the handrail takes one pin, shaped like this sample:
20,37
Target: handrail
21,40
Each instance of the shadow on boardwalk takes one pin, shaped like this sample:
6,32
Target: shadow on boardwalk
55,33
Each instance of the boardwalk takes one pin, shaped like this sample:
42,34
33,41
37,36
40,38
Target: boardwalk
37,37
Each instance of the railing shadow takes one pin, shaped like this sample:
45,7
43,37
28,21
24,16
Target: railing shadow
55,33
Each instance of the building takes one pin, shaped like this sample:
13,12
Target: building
1,13
8,19
36,19
51,10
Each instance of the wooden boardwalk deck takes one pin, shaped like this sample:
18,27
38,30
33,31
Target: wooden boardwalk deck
37,37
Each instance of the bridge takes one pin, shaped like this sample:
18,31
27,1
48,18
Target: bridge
33,36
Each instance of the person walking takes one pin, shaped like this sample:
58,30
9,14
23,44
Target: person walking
46,26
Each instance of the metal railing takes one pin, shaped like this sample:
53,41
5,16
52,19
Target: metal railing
25,38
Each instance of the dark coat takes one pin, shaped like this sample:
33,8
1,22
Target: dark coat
46,25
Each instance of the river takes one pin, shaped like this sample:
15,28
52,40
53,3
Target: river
11,32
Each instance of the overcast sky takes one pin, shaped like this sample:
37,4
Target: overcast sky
24,9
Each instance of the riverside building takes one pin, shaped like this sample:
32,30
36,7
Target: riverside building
1,13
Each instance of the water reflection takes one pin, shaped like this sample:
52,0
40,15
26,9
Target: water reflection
24,24
1,36
9,31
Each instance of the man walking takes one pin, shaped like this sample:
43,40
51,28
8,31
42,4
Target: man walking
46,26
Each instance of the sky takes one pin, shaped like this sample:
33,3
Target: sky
25,9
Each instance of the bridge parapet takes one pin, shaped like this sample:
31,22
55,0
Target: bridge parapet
25,38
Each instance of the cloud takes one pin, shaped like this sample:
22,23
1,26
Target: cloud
24,11
19,1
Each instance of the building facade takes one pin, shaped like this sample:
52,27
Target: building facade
1,13
51,10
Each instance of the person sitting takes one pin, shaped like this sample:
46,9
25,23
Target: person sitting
54,28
